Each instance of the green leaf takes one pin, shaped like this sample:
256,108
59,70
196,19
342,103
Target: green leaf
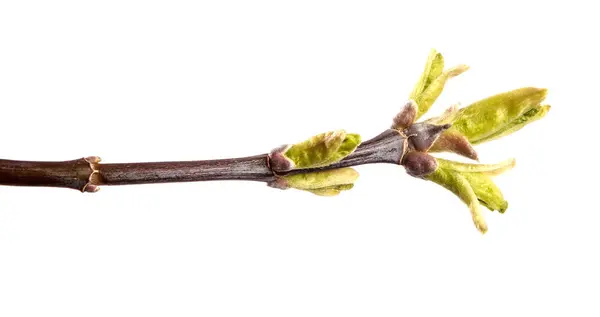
479,177
460,186
528,117
426,99
331,191
487,169
323,149
473,184
433,68
350,143
322,179
500,115
486,191
432,81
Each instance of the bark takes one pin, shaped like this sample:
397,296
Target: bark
86,174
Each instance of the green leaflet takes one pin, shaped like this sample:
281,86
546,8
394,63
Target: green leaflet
461,187
487,169
490,119
472,183
331,179
528,117
478,176
323,149
433,68
500,115
331,191
432,81
486,191
319,151
350,143
426,99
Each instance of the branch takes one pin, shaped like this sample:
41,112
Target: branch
323,164
86,174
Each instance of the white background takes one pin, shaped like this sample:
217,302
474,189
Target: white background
150,81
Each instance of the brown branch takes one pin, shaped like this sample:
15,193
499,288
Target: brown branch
86,174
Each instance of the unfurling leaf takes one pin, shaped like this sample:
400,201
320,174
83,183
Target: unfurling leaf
433,68
322,149
486,191
323,183
426,99
322,179
500,115
432,82
528,117
460,186
472,182
487,169
331,191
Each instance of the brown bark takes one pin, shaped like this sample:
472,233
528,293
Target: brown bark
86,174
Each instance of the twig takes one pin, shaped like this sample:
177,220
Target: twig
322,164
86,174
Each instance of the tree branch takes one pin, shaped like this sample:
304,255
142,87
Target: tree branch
86,174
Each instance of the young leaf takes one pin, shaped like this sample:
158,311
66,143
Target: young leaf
331,191
500,115
322,179
433,68
486,191
487,169
426,99
461,187
478,176
528,117
322,149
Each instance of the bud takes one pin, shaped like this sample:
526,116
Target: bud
277,160
422,135
406,116
320,150
419,164
453,141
